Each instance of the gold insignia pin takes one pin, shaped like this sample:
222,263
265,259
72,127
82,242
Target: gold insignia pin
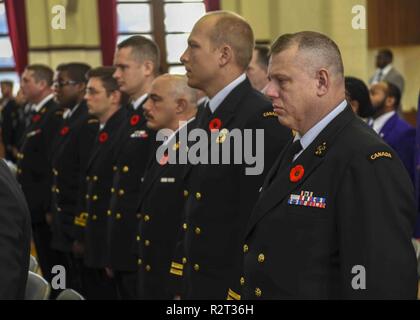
320,150
222,136
175,147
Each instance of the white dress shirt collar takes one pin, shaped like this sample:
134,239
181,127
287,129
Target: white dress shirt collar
38,107
380,121
139,101
217,100
311,135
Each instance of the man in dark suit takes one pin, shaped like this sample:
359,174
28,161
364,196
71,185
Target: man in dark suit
9,119
335,216
15,237
34,167
172,105
71,149
137,64
400,135
219,197
105,102
385,71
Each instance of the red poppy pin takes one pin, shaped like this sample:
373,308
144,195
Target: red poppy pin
36,118
103,137
297,172
134,120
215,124
164,160
64,130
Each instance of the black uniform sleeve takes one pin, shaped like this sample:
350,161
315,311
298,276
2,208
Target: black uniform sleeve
374,228
14,239
276,137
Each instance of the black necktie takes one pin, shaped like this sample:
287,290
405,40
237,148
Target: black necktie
379,77
294,149
207,115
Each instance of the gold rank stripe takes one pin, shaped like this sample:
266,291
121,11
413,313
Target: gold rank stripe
232,295
176,272
177,266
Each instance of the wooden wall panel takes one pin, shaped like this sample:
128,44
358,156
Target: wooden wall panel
393,22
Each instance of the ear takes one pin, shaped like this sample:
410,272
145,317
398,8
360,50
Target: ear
323,82
390,102
225,55
181,105
42,84
355,106
116,97
81,87
148,67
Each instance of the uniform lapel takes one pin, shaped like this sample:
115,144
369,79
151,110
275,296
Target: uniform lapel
311,158
225,112
156,170
388,127
111,128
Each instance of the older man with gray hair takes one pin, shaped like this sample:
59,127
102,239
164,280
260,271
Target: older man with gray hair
336,211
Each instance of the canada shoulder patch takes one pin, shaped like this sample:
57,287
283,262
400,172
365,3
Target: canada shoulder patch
269,114
380,155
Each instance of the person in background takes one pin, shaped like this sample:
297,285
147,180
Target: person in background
357,94
257,69
401,136
385,70
34,170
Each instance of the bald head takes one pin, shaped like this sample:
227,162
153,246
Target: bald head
179,89
170,101
315,50
228,28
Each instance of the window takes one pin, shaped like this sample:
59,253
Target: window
167,22
7,63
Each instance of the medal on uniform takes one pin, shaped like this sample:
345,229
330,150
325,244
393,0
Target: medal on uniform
306,199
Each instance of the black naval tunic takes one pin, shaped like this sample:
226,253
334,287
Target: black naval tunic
33,167
160,216
334,224
220,197
133,152
99,176
15,237
35,175
72,148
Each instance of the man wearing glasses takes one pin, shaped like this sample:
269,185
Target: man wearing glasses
71,150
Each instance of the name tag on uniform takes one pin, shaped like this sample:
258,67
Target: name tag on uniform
33,133
167,180
142,134
306,199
